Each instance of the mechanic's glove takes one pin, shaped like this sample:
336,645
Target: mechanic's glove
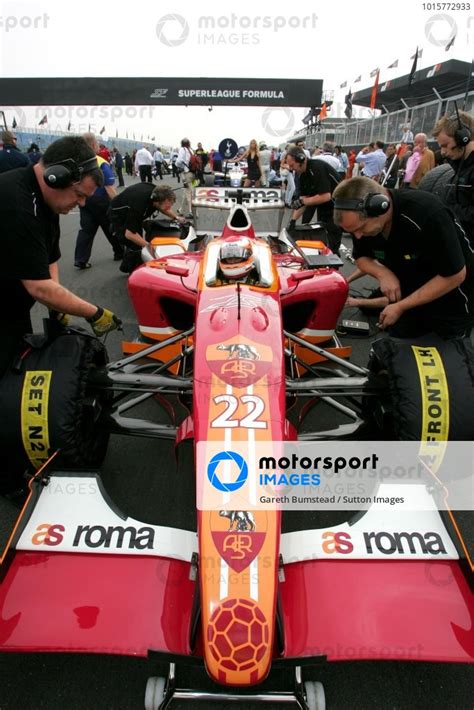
291,225
104,321
296,204
62,318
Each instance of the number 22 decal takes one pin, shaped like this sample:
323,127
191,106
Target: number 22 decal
255,406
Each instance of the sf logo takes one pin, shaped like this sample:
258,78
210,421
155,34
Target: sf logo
47,534
241,546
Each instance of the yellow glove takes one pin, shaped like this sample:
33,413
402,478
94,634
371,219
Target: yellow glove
62,318
104,321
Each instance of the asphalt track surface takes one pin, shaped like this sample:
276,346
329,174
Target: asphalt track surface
130,474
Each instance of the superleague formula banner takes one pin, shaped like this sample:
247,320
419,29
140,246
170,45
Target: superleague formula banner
160,91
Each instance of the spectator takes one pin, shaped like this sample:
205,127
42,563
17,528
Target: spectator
143,163
217,159
374,160
326,154
415,248
183,164
265,162
302,146
404,155
128,163
392,166
455,138
158,158
412,165
118,162
30,232
174,169
94,213
203,157
11,157
352,162
254,167
288,180
343,161
427,160
104,153
34,154
407,134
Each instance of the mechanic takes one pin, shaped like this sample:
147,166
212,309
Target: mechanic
455,136
318,179
29,232
130,208
419,253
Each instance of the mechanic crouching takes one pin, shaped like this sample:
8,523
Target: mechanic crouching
129,210
417,250
31,200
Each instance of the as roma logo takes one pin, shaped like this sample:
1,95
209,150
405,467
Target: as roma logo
239,362
238,536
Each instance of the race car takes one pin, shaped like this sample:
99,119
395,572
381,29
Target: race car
237,345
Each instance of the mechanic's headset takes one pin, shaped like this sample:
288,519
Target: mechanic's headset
298,155
373,205
67,172
462,135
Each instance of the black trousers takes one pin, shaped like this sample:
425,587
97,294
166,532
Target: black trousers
145,173
159,169
93,216
175,171
120,176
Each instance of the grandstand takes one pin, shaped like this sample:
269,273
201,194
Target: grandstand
43,137
431,94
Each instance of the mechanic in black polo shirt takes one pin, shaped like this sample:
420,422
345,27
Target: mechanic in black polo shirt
417,250
11,157
29,236
130,208
318,180
455,136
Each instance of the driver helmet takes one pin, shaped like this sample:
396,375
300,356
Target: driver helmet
236,259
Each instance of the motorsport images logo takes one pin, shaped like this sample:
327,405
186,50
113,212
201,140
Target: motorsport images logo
227,456
172,30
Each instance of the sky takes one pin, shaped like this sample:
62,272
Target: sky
334,41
